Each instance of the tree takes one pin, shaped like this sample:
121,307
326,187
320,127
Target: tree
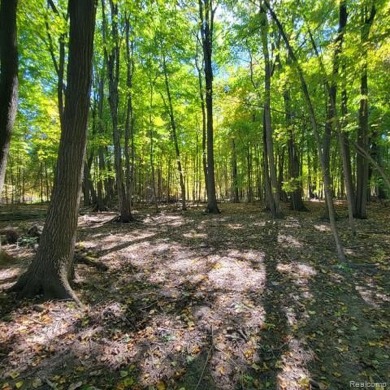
8,80
52,268
172,119
113,69
363,130
273,195
314,125
206,14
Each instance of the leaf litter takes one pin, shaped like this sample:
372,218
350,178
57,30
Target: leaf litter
194,301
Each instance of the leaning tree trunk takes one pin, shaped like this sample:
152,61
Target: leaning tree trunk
50,272
316,132
8,80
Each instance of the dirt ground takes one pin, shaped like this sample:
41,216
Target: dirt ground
196,302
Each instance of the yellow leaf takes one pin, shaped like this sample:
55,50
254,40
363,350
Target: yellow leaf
19,384
161,386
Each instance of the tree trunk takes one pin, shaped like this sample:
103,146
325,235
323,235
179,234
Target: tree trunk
52,268
342,137
59,65
203,110
273,195
8,80
294,169
206,13
129,125
363,129
234,191
314,125
113,58
151,150
174,135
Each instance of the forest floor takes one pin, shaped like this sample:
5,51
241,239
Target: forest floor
199,302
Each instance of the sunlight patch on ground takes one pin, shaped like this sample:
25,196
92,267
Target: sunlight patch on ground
193,234
235,226
234,275
371,295
287,241
297,270
292,222
8,277
322,228
294,374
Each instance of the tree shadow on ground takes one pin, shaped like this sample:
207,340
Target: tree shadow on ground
209,302
347,333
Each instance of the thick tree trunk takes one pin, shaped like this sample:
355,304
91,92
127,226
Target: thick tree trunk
8,80
50,272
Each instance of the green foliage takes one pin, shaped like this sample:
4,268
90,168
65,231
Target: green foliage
169,30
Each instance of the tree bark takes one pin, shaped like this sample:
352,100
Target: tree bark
51,270
113,58
363,129
8,80
130,120
204,120
206,13
314,125
172,120
234,190
296,201
273,195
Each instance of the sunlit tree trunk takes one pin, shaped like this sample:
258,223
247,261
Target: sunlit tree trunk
8,80
52,268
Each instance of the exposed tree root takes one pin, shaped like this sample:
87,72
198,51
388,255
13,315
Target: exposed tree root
31,285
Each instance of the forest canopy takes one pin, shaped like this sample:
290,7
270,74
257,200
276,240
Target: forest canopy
148,100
